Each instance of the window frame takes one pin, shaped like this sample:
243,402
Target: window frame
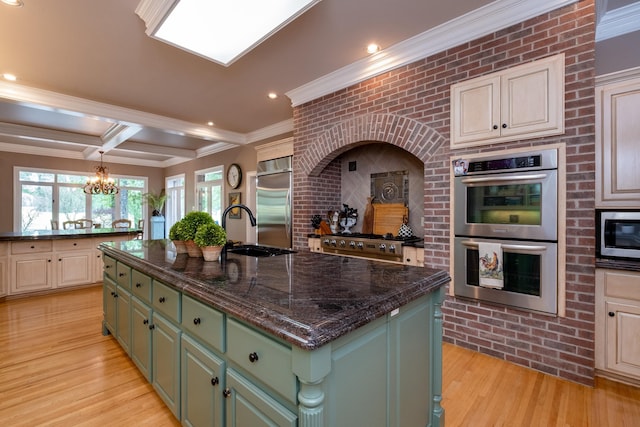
56,185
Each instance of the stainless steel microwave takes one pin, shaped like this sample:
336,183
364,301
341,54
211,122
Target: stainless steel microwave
618,234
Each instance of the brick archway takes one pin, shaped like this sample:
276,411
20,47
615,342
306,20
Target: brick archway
411,135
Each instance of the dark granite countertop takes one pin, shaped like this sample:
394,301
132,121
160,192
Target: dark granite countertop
308,299
65,234
618,264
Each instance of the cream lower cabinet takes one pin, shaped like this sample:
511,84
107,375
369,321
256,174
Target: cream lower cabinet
618,323
526,101
617,152
4,268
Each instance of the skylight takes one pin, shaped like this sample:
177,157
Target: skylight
221,31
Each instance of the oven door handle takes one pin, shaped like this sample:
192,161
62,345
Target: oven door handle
503,178
520,248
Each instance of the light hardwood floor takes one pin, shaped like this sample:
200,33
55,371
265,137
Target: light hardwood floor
56,369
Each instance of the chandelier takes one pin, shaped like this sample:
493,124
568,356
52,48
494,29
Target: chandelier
101,183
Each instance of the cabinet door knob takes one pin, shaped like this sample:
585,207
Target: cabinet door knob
253,357
226,392
495,127
121,274
611,314
151,327
215,381
196,320
138,285
504,126
161,300
145,322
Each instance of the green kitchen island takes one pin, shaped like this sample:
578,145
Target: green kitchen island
302,339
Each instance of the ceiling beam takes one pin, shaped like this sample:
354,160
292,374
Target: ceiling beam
40,134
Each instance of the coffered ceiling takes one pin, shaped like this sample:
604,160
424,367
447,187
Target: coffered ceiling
90,79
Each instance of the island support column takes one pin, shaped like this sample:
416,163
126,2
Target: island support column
311,367
437,417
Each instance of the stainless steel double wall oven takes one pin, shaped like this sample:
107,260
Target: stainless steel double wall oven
509,203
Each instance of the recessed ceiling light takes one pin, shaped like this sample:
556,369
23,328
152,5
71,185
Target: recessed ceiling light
272,95
210,123
15,3
9,76
373,48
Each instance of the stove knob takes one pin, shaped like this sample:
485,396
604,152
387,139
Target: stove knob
360,245
382,247
326,242
392,249
352,244
333,242
343,243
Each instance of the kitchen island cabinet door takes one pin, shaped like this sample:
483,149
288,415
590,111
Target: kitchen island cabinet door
203,380
123,322
166,362
248,405
141,336
109,306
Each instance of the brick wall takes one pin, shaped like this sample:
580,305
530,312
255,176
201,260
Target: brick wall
409,107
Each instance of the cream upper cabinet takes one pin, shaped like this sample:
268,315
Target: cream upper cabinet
525,101
618,144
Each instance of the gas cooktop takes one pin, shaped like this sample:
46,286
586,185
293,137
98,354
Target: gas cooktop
374,246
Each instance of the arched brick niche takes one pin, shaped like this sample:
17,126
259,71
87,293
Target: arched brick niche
317,176
411,135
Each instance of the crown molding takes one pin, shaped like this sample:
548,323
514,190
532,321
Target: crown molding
276,129
617,22
618,76
485,20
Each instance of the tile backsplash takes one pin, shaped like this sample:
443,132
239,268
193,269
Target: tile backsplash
379,158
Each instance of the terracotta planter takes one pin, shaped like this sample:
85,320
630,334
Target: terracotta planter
181,248
211,253
193,250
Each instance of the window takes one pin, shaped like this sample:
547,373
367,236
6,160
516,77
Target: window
47,195
174,206
209,191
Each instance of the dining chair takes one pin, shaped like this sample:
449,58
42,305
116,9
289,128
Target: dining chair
54,225
121,223
68,225
84,223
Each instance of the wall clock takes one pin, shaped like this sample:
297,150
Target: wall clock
234,175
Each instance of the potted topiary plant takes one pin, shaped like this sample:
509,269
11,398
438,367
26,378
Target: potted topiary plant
188,228
174,236
211,238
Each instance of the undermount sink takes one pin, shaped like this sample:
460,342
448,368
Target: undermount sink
258,251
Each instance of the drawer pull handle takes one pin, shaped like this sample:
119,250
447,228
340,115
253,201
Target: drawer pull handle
226,392
138,285
106,266
121,274
75,244
161,300
33,247
215,381
253,357
611,314
196,320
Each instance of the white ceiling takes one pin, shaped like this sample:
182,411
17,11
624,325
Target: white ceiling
90,79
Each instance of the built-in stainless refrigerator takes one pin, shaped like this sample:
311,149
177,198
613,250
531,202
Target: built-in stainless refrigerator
273,202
